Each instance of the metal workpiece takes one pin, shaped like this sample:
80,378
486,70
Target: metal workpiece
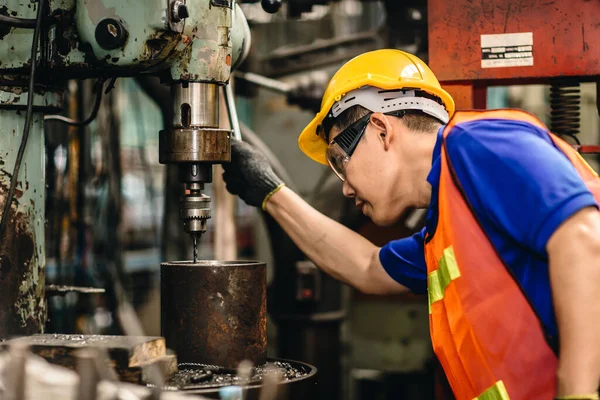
214,312
22,257
206,145
195,104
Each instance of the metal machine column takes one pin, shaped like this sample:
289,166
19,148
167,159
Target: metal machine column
22,249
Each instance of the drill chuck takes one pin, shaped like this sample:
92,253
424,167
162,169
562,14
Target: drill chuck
194,211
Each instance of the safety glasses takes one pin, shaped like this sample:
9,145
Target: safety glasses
343,145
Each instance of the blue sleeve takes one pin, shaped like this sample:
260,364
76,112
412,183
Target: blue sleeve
516,179
404,261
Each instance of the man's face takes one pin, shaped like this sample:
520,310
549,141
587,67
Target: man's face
377,176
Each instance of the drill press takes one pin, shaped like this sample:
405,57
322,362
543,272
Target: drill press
191,45
195,143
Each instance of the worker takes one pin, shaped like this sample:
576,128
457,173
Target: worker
510,251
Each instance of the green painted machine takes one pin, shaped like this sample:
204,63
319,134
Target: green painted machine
193,45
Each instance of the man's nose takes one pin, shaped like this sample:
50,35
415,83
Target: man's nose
348,191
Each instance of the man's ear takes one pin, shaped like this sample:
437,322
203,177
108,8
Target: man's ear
382,124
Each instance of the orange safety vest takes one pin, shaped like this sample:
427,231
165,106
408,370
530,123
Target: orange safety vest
484,331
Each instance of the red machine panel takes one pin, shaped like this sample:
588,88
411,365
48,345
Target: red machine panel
559,38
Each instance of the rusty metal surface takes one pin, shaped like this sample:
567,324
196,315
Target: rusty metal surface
17,258
565,37
205,51
194,145
214,312
15,43
206,47
149,39
16,97
22,257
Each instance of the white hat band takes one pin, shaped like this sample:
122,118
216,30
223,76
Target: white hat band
379,100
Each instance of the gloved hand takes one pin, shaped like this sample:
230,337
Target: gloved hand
249,175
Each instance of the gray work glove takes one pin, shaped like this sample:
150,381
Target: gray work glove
249,175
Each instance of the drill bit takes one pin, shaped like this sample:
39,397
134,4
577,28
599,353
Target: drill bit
195,249
195,238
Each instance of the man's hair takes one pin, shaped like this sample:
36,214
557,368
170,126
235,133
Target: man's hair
414,120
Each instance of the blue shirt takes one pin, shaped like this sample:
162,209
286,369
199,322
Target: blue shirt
521,188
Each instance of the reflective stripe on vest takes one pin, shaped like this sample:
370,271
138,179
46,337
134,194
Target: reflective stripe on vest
438,280
483,329
495,392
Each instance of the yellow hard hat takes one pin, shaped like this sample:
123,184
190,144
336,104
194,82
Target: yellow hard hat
385,69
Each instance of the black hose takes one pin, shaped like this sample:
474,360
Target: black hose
28,117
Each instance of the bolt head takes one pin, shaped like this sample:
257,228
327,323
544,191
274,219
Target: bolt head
179,11
271,6
182,11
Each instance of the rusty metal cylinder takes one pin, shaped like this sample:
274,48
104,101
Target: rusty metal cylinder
215,312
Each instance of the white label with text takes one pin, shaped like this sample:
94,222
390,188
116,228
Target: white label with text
507,50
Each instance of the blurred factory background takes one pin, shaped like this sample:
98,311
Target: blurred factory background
111,208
